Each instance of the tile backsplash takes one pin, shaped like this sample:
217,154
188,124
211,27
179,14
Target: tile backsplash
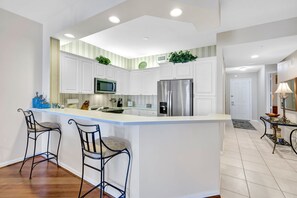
105,99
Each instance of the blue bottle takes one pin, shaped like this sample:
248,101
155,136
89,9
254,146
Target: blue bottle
36,101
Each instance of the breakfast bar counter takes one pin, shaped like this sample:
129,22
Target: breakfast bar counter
171,156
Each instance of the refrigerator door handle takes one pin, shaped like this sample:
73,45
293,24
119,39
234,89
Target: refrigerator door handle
170,103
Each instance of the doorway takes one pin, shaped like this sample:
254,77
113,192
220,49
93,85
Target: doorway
240,99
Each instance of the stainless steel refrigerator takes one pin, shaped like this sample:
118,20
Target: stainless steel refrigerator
175,97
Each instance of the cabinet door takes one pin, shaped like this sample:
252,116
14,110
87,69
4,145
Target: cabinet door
110,72
184,70
99,70
69,74
149,81
87,78
136,82
166,71
205,77
204,106
122,77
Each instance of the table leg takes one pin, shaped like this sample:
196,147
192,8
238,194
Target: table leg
275,138
291,141
265,128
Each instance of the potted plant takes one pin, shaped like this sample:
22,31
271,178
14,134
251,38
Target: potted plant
103,60
181,57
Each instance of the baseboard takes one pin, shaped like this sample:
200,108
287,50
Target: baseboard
11,162
214,194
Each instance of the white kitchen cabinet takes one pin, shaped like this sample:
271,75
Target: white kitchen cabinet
144,82
76,74
110,72
135,82
205,86
87,82
69,74
122,76
99,70
170,71
205,77
204,105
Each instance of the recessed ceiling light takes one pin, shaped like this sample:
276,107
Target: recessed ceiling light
242,68
114,19
69,35
176,12
255,56
146,38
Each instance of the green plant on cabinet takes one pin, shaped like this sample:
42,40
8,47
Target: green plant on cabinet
103,60
181,57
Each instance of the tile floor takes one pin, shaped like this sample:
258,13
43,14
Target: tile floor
249,169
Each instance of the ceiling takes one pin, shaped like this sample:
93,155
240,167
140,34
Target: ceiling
150,35
243,69
196,27
269,51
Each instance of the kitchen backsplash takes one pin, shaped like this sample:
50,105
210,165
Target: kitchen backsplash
105,99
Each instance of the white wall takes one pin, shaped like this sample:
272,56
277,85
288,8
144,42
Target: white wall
261,92
254,79
20,77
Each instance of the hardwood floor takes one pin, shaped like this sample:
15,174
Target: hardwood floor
47,181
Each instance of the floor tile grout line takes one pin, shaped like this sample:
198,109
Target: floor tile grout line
234,192
271,171
249,194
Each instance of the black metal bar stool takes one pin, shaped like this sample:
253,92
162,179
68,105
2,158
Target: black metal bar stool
34,130
100,148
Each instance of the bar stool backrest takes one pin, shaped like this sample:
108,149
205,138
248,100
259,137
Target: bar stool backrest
30,119
89,134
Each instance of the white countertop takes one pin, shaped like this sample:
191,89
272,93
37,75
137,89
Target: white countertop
123,119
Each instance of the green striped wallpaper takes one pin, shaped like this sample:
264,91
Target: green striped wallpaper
90,51
152,60
87,50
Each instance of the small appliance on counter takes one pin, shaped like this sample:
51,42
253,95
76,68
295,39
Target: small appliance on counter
72,103
120,102
130,103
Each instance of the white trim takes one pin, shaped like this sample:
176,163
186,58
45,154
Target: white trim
204,194
10,162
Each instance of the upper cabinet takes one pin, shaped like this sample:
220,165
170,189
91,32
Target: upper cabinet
122,76
205,76
144,82
176,71
76,74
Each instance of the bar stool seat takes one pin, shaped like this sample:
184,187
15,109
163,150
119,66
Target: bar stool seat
34,130
45,126
110,146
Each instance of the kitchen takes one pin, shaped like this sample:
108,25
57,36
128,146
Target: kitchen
34,44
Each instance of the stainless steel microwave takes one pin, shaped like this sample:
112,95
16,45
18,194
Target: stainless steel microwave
105,86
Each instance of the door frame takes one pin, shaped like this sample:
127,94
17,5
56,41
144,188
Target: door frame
249,95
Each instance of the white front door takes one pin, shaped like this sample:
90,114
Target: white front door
240,98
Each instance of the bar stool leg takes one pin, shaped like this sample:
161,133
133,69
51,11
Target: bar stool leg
128,169
25,153
82,176
48,139
33,158
102,179
60,134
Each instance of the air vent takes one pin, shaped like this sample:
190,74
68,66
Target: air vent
162,59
